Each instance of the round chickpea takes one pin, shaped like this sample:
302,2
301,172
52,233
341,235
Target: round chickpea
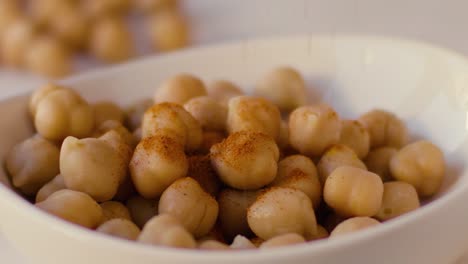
279,211
210,114
172,120
232,216
73,206
40,94
353,191
113,209
420,164
168,30
299,172
196,210
398,198
119,227
253,114
32,163
166,230
179,89
283,240
246,160
284,86
335,157
355,136
378,161
141,209
56,184
222,91
313,129
157,162
385,129
71,26
352,225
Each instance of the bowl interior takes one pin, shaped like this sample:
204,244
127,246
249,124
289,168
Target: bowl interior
424,85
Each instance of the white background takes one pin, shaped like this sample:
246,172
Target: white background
441,22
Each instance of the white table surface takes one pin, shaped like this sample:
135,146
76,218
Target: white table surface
442,22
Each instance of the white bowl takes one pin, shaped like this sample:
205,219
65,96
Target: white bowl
425,85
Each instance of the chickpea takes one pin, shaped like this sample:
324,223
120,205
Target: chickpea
355,136
210,138
283,240
385,129
71,26
284,86
213,245
112,210
56,184
222,91
420,164
9,13
179,89
210,114
113,125
111,41
48,57
166,230
134,113
246,160
75,207
40,94
32,163
335,157
119,227
174,121
352,225
232,216
121,148
254,114
299,172
398,198
105,111
156,5
100,8
93,166
201,170
157,162
191,205
283,140
378,161
168,31
313,129
43,11
353,191
63,113
141,209
279,211
241,242
15,42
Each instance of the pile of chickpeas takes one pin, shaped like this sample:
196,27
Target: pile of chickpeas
43,35
208,167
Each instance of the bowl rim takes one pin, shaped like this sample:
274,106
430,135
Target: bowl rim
71,230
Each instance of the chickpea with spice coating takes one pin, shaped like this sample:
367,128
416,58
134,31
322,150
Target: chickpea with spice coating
32,163
378,161
157,162
385,129
222,91
299,172
398,198
352,225
210,114
420,164
279,211
141,209
253,114
351,191
119,227
335,157
313,129
166,230
355,136
246,160
284,86
75,207
56,184
196,210
179,89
